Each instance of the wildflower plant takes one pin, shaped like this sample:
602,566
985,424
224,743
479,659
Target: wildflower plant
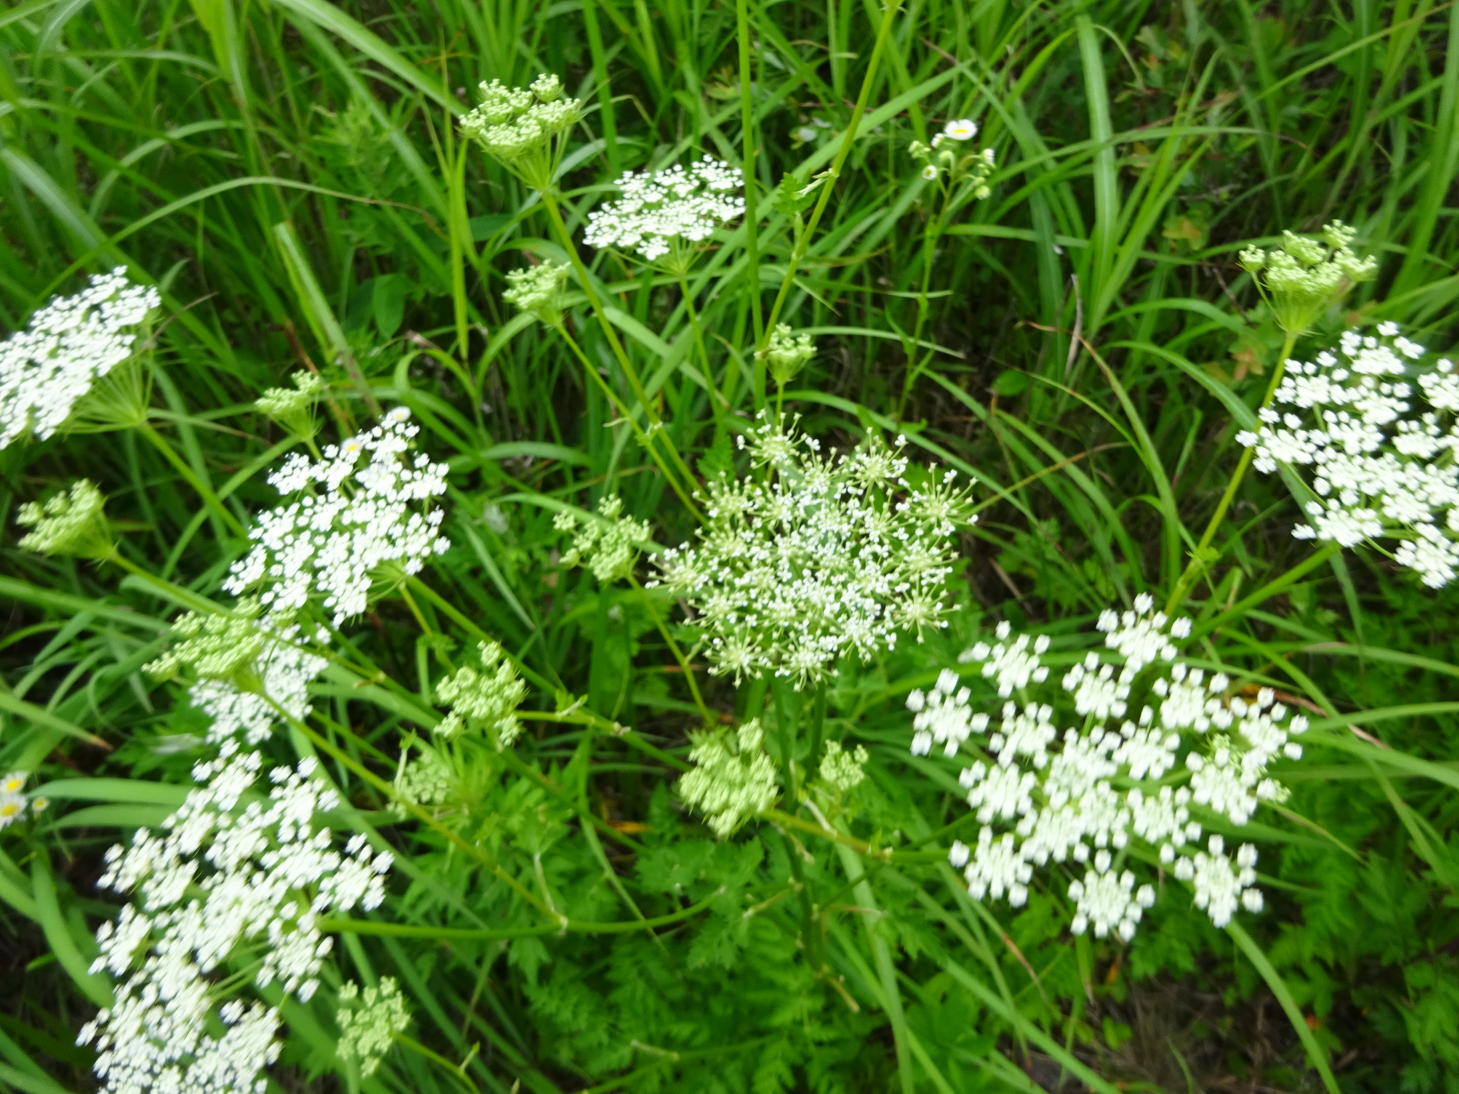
71,348
360,507
1305,275
733,778
669,212
706,840
1119,763
952,164
524,129
1375,427
369,1021
824,557
68,523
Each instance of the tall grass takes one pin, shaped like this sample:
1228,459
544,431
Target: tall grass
1081,345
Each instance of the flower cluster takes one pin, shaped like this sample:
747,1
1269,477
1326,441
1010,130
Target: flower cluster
14,801
293,407
1306,274
69,345
786,352
1131,749
428,779
70,523
233,886
841,771
524,128
662,210
733,779
360,514
941,161
229,881
369,1021
537,290
823,557
608,547
483,700
1380,435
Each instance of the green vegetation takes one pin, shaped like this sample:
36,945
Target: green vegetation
517,664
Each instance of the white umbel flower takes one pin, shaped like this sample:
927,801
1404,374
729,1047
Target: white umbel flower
661,209
819,559
69,344
1381,463
1152,747
221,882
361,509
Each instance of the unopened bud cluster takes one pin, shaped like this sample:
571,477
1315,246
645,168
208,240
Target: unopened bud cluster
787,352
733,778
537,290
1305,275
483,698
369,1021
68,523
293,407
524,128
1131,747
609,545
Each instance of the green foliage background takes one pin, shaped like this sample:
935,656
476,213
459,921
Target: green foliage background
287,171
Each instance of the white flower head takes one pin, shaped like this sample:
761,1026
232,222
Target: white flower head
220,881
1131,746
660,211
360,509
1374,426
961,129
818,558
69,345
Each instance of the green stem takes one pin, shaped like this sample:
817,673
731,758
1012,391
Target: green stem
656,426
194,600
886,972
643,438
784,725
915,361
566,925
747,157
861,847
1269,590
683,661
818,721
1198,562
455,1070
802,242
716,404
201,488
